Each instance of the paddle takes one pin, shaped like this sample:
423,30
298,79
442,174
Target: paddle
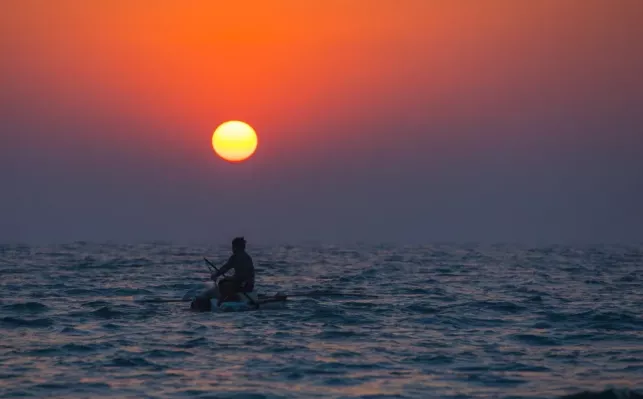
244,294
321,294
190,294
160,300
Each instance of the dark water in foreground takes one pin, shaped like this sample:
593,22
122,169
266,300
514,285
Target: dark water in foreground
450,322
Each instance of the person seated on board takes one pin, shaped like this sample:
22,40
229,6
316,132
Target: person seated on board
243,279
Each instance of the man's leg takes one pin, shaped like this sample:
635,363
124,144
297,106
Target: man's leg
246,287
228,288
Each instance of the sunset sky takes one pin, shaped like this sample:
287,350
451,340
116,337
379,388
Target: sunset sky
405,121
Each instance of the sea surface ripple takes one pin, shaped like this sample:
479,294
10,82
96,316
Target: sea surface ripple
449,321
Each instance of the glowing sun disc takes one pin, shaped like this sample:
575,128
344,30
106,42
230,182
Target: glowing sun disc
234,141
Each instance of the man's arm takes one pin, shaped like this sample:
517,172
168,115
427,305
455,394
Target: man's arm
223,269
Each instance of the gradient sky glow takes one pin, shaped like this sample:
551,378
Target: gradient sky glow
378,120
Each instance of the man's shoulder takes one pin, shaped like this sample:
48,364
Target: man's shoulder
247,257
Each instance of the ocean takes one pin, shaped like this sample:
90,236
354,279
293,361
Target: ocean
447,321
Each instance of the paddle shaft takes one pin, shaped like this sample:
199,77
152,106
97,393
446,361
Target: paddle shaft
210,264
161,300
321,294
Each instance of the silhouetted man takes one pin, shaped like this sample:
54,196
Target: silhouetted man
243,279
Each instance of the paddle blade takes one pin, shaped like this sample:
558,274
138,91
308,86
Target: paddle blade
191,294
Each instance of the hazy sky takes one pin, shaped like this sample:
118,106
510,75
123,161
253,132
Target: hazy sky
378,120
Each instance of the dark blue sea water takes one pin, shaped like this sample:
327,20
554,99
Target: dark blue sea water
450,321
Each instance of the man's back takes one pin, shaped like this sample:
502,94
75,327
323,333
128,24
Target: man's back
243,266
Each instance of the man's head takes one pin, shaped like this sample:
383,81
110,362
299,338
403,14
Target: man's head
238,244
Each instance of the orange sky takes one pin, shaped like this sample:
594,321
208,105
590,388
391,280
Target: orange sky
295,66
363,97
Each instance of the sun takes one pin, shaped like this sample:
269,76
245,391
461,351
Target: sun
234,141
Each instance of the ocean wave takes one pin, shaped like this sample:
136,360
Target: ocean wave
164,353
623,393
194,343
533,339
29,323
599,319
106,313
133,362
500,306
102,312
96,304
82,348
31,307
